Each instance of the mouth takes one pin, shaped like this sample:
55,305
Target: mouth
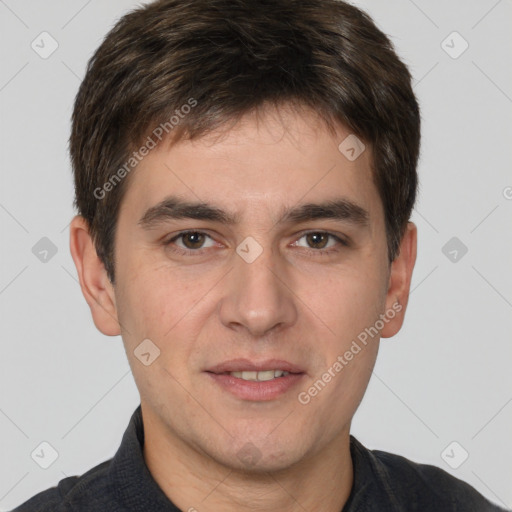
256,370
256,381
261,376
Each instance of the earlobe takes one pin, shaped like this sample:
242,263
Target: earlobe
400,282
96,287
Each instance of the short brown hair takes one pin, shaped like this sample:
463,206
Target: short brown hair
227,58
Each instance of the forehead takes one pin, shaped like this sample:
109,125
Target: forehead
266,162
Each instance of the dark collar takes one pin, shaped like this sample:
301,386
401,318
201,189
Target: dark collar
131,481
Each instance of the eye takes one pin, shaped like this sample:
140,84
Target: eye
190,242
318,242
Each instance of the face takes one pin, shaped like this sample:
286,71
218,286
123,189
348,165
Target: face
254,279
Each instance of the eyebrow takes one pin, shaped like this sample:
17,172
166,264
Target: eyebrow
172,208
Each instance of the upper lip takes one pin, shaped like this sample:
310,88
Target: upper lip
238,365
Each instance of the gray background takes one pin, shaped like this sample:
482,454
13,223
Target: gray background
446,377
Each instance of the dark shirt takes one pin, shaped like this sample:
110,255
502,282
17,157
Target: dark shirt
383,482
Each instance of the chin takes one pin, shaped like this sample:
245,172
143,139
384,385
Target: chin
260,456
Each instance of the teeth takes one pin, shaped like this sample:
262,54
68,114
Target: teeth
266,375
259,376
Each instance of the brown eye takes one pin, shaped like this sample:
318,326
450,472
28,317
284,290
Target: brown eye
193,240
321,242
190,242
317,240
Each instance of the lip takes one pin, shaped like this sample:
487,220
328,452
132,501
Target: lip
257,391
240,364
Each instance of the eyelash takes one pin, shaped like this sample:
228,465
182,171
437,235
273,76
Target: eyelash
198,252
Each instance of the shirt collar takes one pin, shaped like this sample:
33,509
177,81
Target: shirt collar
129,475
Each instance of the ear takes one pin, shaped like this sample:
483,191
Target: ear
400,282
96,287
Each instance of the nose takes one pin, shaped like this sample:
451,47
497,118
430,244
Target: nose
258,296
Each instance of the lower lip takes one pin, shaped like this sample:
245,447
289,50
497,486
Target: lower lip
257,390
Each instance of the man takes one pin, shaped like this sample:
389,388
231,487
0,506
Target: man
245,174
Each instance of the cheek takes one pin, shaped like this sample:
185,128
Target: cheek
150,309
345,303
348,353
147,293
348,305
162,305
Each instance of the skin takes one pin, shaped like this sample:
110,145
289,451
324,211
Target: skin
291,303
